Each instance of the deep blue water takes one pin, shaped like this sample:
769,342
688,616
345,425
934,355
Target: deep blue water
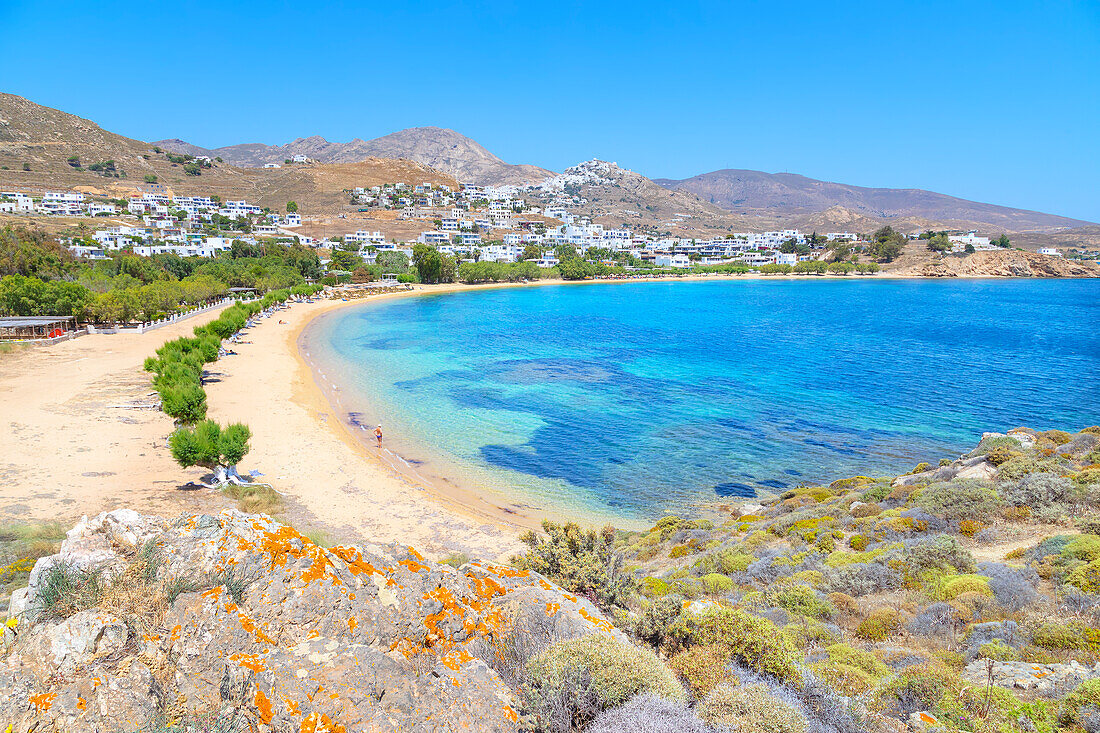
638,399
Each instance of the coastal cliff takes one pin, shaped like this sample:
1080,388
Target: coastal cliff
1007,263
963,596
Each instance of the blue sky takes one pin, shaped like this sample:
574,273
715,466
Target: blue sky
995,101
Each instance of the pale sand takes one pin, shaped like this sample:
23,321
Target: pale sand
71,440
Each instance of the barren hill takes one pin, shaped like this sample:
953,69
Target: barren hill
44,139
442,149
792,196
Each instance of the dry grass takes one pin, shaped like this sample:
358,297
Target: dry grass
255,498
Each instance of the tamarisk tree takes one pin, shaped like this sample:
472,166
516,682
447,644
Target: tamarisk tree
211,446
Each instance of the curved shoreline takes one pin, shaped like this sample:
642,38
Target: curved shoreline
482,505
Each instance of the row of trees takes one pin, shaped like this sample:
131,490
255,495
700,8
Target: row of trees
495,272
818,267
178,368
38,276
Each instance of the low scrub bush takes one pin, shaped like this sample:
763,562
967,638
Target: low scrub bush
1056,636
942,552
959,500
572,681
702,667
1014,588
580,561
1083,702
950,587
750,707
862,579
654,621
646,713
1086,578
1036,490
801,599
852,671
1086,547
754,641
918,688
938,619
879,625
717,584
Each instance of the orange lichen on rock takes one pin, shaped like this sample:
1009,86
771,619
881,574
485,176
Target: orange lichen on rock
250,626
263,707
248,661
320,723
456,659
354,560
81,703
413,565
42,701
510,713
352,623
596,621
552,609
486,587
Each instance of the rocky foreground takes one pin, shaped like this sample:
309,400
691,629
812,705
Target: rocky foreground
237,616
961,596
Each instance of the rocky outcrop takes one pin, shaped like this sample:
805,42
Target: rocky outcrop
1045,679
1006,263
240,617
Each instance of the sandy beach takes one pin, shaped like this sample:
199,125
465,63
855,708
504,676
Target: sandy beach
81,436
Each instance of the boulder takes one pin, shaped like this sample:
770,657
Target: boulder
266,626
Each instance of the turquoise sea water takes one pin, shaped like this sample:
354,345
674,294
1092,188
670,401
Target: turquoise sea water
633,400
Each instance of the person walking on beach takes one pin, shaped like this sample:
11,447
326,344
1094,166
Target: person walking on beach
378,434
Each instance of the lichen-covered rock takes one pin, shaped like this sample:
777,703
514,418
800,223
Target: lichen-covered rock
238,613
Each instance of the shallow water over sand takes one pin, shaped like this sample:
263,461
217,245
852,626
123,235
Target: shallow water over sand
633,400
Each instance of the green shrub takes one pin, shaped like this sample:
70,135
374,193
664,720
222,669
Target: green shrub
918,688
959,500
654,621
852,671
859,542
1058,637
802,600
943,553
653,587
702,667
998,651
1058,437
1085,695
750,708
571,681
879,625
1086,577
1086,547
754,641
733,562
947,588
579,561
717,584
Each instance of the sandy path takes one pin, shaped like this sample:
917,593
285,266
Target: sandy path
71,444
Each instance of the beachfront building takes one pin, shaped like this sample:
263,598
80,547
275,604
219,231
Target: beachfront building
672,260
1049,251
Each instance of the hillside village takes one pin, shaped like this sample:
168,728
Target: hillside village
505,224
